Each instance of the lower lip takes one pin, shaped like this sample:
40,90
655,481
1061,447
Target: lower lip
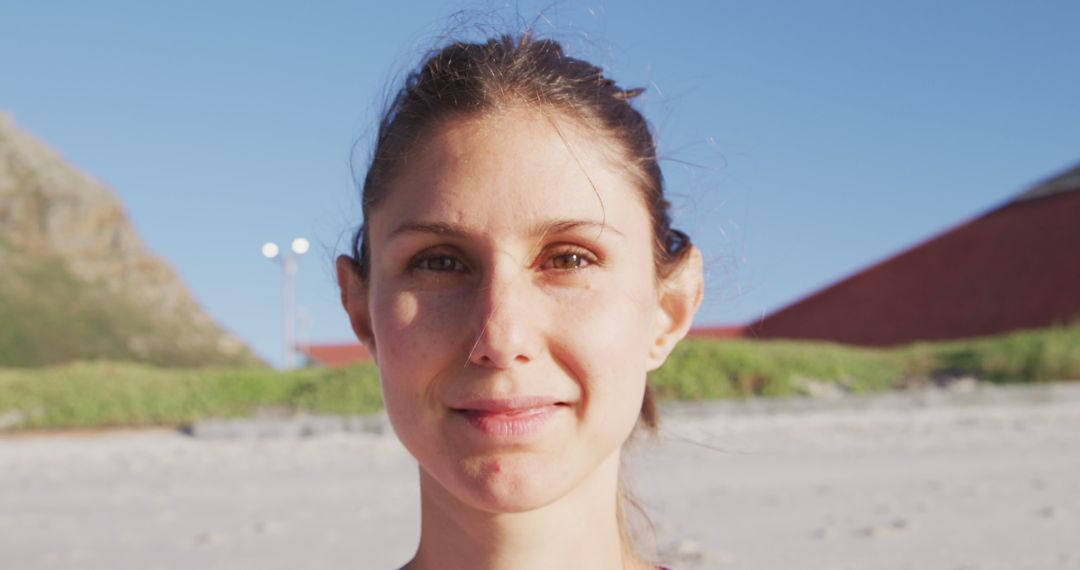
511,424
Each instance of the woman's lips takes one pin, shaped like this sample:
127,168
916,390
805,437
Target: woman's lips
510,418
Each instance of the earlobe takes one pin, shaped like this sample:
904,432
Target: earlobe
354,299
680,297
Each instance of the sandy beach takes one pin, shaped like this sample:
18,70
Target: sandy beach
980,478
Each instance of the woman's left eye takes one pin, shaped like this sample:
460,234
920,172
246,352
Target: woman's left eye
568,261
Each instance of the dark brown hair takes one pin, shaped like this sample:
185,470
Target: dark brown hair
465,79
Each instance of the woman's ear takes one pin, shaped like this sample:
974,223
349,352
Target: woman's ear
354,298
680,297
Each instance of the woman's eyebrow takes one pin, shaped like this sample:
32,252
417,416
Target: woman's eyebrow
437,228
547,228
566,226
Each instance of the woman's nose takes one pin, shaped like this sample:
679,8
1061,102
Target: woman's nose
504,320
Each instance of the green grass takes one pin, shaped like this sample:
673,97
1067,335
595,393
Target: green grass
111,394
1022,357
704,369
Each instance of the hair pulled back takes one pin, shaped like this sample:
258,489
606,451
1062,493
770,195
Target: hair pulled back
464,79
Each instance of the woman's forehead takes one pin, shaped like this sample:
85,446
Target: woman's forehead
512,170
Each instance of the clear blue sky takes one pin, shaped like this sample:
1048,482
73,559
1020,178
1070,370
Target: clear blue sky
808,139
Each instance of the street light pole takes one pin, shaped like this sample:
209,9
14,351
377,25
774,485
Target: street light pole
287,297
289,266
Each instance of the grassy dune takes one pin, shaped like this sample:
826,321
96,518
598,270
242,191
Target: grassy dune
710,369
112,394
49,316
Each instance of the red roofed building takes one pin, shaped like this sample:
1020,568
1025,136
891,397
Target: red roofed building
717,332
1015,267
335,355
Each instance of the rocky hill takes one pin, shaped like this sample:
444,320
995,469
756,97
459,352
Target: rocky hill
76,282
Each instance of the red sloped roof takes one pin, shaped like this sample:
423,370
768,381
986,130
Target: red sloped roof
335,355
717,332
1014,267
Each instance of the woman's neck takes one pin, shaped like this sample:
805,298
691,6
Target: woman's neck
578,530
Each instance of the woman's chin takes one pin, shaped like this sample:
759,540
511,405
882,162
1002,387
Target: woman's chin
505,485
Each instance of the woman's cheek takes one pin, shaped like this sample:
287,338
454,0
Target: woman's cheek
612,309
603,349
416,324
409,350
403,339
603,333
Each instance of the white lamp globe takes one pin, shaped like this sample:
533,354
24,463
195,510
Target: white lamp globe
300,246
270,250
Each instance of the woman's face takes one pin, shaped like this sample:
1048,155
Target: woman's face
512,305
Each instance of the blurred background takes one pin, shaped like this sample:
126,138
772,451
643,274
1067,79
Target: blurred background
882,375
803,141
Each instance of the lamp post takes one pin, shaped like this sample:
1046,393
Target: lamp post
288,261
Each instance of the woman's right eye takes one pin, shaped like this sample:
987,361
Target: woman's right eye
440,263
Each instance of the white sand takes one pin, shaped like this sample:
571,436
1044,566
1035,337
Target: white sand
990,485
